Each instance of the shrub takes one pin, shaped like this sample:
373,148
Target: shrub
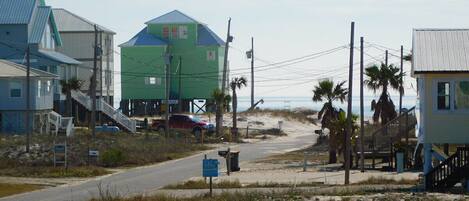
112,157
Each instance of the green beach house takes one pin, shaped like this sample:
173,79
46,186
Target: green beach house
195,56
440,63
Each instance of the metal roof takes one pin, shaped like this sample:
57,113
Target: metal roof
40,21
173,17
58,57
70,22
207,36
11,69
16,11
440,50
143,38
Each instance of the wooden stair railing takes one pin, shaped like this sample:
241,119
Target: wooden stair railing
449,172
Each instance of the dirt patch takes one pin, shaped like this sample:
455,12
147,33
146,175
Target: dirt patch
12,189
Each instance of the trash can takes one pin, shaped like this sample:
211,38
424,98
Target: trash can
234,163
400,162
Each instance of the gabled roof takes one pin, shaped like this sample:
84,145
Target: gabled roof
70,22
143,38
440,50
58,57
173,17
207,36
39,24
16,11
11,69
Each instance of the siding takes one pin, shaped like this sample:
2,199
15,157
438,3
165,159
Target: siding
440,127
37,103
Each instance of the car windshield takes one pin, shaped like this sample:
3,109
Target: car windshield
196,119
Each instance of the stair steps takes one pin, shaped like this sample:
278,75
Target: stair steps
449,172
101,106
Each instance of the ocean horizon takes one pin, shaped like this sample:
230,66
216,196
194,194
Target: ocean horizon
278,102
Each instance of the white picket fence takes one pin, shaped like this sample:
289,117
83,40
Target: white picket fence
107,109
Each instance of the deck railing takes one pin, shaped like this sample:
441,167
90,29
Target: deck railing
450,171
107,109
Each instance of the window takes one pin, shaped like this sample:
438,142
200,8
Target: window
153,81
165,32
443,99
461,95
39,88
48,87
174,32
211,55
183,32
15,89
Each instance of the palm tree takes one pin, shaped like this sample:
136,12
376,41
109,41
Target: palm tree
382,78
220,99
68,86
236,83
327,91
339,128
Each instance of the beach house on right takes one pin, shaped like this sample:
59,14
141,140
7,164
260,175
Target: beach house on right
440,63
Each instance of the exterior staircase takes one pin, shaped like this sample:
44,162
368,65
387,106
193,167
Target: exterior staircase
380,143
60,125
108,110
449,172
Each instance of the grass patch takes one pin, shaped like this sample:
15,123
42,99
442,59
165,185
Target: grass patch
302,115
51,172
116,150
383,180
345,193
316,154
201,184
224,184
12,189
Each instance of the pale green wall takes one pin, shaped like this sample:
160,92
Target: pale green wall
199,77
138,63
450,127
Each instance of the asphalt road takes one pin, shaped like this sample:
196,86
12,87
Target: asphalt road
147,179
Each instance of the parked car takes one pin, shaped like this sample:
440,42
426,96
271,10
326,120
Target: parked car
184,122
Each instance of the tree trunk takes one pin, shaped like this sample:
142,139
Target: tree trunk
235,107
332,149
218,119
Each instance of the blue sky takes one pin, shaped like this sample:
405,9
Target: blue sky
285,29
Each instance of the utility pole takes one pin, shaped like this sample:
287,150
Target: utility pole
362,116
167,88
349,108
401,90
93,84
100,75
229,39
219,110
108,70
252,72
180,85
28,94
386,58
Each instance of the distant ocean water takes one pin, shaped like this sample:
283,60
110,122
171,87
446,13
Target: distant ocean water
306,102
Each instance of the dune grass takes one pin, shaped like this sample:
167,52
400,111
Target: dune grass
12,189
51,172
384,180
